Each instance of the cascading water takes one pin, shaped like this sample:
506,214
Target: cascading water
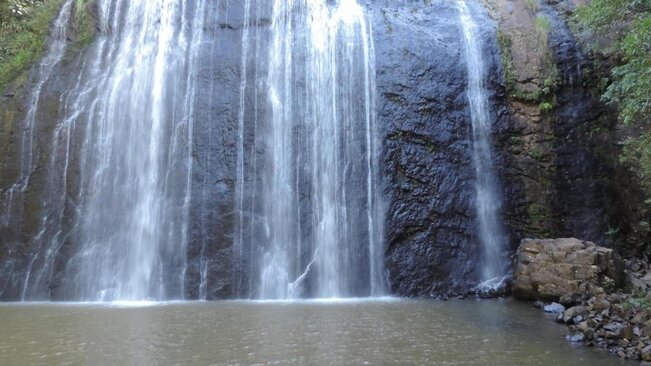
55,52
130,120
488,203
316,228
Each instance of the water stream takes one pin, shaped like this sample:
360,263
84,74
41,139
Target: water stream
56,49
487,202
130,117
316,229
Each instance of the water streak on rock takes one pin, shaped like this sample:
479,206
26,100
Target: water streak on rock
488,203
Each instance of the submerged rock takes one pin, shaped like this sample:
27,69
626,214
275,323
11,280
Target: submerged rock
550,269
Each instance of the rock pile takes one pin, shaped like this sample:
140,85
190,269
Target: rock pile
582,279
618,322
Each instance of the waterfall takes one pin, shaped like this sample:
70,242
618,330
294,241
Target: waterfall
487,203
121,190
316,226
130,119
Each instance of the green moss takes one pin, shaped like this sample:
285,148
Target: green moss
23,38
549,84
543,94
539,217
532,96
636,155
84,22
532,5
546,107
516,140
542,24
637,303
505,44
536,153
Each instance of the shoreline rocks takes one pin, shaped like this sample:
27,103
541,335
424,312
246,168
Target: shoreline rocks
619,322
582,284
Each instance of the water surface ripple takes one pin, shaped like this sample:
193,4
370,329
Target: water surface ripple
323,332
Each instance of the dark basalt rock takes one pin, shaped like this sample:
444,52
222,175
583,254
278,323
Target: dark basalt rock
431,244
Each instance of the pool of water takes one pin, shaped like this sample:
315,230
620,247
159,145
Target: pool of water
334,332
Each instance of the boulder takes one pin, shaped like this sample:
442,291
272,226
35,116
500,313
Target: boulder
599,303
554,308
579,337
575,313
646,353
549,269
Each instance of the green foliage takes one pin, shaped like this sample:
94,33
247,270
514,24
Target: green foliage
540,216
631,89
629,22
23,32
506,51
542,24
24,29
549,84
637,303
84,23
532,5
546,107
637,155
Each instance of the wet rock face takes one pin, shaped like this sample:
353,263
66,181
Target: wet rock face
559,139
552,269
423,117
215,154
431,244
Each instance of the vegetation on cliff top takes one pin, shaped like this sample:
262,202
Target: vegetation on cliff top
24,27
24,30
629,23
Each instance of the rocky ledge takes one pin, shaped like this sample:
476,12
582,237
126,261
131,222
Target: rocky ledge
585,284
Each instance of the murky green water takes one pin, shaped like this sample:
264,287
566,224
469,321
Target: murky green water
354,332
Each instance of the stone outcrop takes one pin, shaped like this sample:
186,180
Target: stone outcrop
557,142
552,269
431,242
